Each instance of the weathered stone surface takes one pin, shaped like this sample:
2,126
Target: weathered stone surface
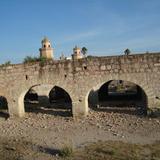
79,77
103,67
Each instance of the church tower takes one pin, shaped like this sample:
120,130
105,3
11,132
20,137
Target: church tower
46,50
77,53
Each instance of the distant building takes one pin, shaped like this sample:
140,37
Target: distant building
68,58
62,57
46,50
77,53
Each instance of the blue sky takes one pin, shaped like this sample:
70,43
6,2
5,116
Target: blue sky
105,27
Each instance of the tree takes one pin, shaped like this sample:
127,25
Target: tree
28,59
7,63
127,52
84,51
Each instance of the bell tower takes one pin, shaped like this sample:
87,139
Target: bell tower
76,53
46,50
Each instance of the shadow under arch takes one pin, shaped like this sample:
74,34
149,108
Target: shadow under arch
58,94
29,100
4,107
119,96
31,96
60,99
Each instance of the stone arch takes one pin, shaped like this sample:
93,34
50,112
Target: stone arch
59,94
91,92
122,96
31,99
4,107
31,95
61,100
118,87
20,109
145,88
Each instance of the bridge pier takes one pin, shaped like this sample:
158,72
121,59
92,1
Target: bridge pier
16,109
151,103
80,108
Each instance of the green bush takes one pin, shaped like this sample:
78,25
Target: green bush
6,64
29,59
66,151
42,60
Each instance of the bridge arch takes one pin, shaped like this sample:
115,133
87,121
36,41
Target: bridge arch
118,95
59,94
4,102
147,91
4,110
41,92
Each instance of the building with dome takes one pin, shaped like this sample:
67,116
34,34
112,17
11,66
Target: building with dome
77,53
46,51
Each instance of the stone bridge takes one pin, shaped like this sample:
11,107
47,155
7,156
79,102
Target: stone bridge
79,77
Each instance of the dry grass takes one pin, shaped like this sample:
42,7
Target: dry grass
110,150
113,150
66,152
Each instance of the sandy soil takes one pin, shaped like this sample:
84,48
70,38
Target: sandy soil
48,131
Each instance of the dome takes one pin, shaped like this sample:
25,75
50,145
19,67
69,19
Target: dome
45,39
76,48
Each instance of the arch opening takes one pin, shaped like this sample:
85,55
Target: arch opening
55,101
59,99
119,96
31,96
31,100
3,107
59,95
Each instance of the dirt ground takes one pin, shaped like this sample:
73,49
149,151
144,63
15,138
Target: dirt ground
39,135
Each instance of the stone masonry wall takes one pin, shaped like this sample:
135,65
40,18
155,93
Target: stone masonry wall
79,77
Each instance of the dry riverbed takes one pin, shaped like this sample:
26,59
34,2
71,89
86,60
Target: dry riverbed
41,136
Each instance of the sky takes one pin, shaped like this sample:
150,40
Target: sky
104,27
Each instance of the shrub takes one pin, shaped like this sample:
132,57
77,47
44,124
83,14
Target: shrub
29,59
6,64
66,151
42,60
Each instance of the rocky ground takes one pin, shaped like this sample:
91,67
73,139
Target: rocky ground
41,134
